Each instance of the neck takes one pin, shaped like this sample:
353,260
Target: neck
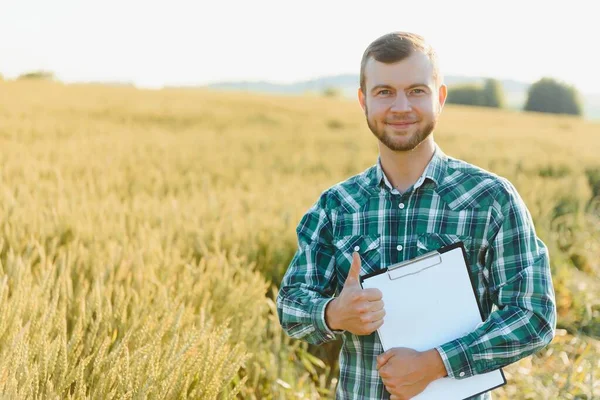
403,168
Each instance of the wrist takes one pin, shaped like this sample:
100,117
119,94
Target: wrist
330,315
435,364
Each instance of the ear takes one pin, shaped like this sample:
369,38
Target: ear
361,99
442,95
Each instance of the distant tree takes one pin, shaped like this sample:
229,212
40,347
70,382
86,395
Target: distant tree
471,95
332,92
550,96
493,95
490,95
39,75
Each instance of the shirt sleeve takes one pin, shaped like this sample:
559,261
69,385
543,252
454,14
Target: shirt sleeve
520,284
310,280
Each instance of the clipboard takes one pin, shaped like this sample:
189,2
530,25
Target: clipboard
430,300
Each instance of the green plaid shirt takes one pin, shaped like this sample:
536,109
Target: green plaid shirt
451,201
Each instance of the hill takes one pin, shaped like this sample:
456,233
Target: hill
515,91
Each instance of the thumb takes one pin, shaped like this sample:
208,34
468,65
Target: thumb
383,358
354,273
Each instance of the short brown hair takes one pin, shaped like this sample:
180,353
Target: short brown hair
396,46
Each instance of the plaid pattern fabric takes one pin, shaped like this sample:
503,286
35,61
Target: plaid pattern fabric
451,201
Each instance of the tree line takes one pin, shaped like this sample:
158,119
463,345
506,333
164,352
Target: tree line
547,95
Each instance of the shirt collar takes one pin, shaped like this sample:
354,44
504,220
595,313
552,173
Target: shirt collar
435,171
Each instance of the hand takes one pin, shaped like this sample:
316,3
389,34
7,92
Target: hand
407,372
355,310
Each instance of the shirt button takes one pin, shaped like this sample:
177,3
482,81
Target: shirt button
461,374
356,248
399,247
401,205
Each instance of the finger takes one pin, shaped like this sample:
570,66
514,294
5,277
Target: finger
354,273
373,326
373,294
372,317
382,359
369,306
375,305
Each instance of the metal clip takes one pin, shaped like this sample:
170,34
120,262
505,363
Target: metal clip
433,256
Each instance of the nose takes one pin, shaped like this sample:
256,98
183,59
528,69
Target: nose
401,103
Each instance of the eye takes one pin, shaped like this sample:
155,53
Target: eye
383,92
417,91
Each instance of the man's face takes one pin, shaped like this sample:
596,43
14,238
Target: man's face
401,101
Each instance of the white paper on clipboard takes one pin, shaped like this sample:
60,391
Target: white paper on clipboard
430,301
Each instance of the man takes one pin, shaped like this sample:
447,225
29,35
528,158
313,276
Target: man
414,200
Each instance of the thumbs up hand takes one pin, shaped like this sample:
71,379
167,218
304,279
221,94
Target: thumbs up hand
356,310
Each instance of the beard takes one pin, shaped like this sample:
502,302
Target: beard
388,139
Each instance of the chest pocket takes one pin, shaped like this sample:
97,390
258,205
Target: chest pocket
367,246
427,242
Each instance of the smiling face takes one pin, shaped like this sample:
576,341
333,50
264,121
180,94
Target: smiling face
401,100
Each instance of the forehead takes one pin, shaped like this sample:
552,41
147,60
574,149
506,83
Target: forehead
414,69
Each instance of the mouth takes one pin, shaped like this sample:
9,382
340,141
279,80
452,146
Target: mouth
401,124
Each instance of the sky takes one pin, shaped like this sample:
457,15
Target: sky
165,43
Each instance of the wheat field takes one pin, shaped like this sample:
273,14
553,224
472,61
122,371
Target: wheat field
143,235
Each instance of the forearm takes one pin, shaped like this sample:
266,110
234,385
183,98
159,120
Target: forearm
508,335
519,285
310,280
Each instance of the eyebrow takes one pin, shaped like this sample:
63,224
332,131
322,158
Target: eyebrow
414,85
